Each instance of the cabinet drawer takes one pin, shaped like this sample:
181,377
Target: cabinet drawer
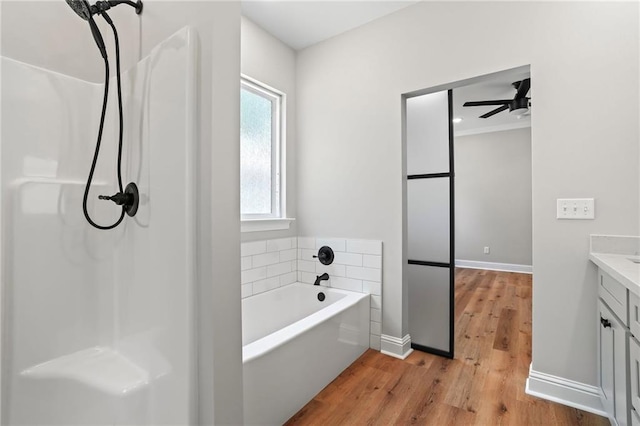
614,295
634,315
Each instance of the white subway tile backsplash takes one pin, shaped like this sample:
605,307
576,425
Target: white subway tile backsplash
279,244
376,302
365,247
251,275
332,270
267,265
266,285
369,261
265,259
289,278
291,254
371,288
278,269
306,266
307,254
246,290
376,328
352,259
306,277
346,284
336,244
245,263
376,315
368,274
254,247
307,242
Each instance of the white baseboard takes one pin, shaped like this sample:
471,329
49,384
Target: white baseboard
395,347
492,266
564,391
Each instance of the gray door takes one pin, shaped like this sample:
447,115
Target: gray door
430,269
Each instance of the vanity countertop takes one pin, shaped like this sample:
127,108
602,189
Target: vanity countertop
618,257
621,267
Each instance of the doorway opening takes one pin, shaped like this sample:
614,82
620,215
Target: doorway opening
467,204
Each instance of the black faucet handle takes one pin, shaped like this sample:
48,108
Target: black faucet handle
119,198
325,255
128,199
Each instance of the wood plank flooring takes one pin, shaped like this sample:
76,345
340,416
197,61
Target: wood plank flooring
483,385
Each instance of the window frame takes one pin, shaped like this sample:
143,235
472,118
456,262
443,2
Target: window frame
278,103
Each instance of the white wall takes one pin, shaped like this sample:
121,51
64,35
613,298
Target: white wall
493,196
268,60
50,35
350,125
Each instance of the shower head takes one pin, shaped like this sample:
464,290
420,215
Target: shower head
82,8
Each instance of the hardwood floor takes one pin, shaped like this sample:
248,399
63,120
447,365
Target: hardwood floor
483,385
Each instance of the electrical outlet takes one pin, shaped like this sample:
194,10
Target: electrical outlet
486,250
575,208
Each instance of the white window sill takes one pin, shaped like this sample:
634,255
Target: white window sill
257,225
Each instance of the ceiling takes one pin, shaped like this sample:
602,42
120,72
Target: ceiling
300,24
498,86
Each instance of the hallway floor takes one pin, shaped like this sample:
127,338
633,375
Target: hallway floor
483,385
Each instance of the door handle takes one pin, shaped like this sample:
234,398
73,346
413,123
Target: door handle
605,322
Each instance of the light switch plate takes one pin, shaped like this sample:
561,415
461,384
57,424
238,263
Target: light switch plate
575,208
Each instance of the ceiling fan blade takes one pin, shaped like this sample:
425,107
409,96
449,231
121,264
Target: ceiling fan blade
485,103
495,111
523,89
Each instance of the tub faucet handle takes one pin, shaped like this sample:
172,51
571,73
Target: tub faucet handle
325,255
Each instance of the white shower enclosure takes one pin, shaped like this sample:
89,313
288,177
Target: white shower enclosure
98,326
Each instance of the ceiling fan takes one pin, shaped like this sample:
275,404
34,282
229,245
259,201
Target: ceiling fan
519,105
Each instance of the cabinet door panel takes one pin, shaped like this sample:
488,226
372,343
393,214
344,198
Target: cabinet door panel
613,358
606,380
635,420
634,361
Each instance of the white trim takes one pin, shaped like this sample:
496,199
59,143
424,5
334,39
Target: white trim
564,391
395,347
257,225
492,266
491,129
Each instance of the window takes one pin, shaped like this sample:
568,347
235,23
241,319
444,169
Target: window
260,152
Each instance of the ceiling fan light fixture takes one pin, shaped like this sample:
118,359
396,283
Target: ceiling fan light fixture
519,111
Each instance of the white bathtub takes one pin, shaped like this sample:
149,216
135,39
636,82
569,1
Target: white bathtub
294,345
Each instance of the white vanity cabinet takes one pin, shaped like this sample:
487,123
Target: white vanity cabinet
613,349
634,357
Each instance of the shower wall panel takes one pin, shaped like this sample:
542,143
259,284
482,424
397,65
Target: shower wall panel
98,325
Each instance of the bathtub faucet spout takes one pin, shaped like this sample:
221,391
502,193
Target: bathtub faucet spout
322,277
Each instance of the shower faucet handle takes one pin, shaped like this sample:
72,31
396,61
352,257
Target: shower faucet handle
129,199
119,198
